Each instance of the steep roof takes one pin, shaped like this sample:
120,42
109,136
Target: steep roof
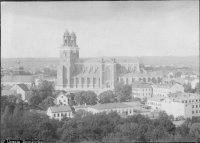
141,85
61,108
17,78
109,106
23,87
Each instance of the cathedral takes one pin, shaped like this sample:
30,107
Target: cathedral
97,74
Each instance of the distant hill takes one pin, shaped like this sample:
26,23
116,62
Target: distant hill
30,63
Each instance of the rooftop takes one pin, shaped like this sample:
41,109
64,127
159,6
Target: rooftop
61,108
109,106
156,98
141,85
23,87
183,96
17,78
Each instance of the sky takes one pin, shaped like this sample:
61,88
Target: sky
133,28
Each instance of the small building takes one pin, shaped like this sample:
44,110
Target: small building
58,112
12,80
23,90
194,83
62,98
141,90
166,88
155,102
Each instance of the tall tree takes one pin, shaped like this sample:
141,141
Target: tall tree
123,92
107,97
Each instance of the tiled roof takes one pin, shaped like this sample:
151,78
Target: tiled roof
141,85
156,98
23,87
17,78
183,96
109,106
61,108
8,92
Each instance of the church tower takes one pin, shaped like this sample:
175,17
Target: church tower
69,53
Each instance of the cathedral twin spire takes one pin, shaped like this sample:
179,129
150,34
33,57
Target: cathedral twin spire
69,39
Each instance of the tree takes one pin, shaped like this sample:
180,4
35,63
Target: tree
90,97
187,88
49,101
195,129
35,100
45,89
107,97
123,92
79,98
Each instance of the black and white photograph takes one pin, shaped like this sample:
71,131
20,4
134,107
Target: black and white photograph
100,71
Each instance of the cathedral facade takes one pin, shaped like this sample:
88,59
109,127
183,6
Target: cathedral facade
96,74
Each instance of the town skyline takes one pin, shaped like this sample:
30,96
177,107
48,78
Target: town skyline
102,28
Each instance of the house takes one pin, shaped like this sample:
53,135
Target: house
165,88
121,108
62,98
12,80
155,102
194,83
182,104
141,90
58,112
23,90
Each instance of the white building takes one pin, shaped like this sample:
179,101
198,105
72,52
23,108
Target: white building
23,90
141,90
194,83
166,88
155,102
58,112
62,99
178,104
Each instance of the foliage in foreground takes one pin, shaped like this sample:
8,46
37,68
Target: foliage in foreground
19,123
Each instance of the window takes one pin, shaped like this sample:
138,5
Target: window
196,106
196,111
64,100
192,112
58,114
54,115
192,106
185,101
61,96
